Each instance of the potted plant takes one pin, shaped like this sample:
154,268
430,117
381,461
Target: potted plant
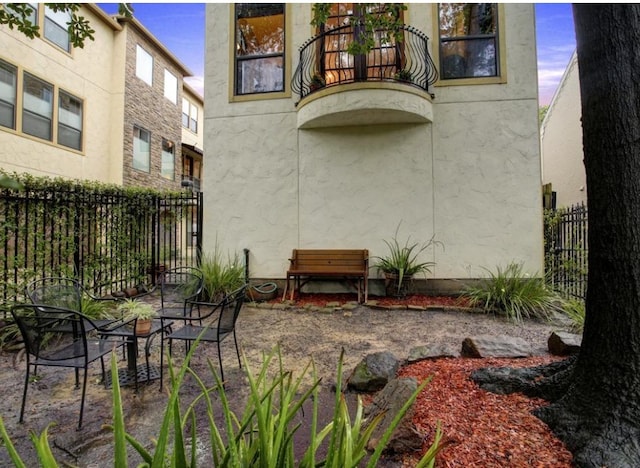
401,264
142,312
403,75
317,82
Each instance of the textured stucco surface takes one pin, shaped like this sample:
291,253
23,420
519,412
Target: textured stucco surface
472,177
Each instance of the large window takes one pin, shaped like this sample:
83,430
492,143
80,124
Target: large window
69,120
8,90
468,35
170,86
144,65
141,149
259,48
37,112
168,163
56,27
189,115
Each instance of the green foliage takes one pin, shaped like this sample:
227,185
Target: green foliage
542,112
134,309
402,259
379,22
513,293
575,310
220,275
261,436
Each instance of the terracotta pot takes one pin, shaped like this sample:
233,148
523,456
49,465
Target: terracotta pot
143,326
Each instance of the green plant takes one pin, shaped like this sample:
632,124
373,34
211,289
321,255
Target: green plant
513,293
261,436
403,75
133,309
575,310
220,275
317,81
402,260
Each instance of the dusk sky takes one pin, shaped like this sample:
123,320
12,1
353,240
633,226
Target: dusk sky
180,27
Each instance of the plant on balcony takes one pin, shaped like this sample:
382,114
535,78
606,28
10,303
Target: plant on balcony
403,75
317,82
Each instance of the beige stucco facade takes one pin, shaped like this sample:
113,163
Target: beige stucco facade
561,137
464,165
114,100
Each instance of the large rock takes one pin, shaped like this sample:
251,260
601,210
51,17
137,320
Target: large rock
563,343
420,353
388,402
484,346
373,372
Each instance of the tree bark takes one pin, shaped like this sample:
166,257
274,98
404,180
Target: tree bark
598,416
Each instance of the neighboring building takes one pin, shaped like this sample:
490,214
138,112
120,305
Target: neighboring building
192,138
318,148
561,141
109,112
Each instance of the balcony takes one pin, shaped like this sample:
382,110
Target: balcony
390,84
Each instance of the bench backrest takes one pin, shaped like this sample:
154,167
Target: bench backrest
330,260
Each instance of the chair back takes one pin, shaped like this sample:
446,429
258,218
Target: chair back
180,286
65,293
231,309
52,333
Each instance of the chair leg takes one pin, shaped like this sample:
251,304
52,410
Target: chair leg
161,355
84,392
24,392
237,351
220,362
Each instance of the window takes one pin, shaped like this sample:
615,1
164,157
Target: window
144,65
259,48
167,166
8,90
141,149
69,121
170,86
468,35
56,27
189,115
37,112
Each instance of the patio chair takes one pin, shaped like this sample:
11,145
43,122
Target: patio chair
220,323
46,345
180,287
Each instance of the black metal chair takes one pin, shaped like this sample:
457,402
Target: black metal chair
60,337
180,287
220,322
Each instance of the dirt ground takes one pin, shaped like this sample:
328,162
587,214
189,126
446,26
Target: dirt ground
302,334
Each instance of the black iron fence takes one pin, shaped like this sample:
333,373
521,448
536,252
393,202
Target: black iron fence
110,238
566,264
325,62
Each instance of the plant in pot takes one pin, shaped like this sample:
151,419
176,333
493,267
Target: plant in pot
142,312
403,75
401,264
317,82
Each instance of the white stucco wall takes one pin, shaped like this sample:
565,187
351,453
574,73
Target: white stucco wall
472,177
561,136
86,73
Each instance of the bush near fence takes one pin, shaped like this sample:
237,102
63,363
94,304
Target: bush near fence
110,237
565,248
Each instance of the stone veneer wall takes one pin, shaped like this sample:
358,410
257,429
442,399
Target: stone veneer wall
146,107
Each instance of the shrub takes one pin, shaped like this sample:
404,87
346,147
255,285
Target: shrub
220,276
575,310
513,293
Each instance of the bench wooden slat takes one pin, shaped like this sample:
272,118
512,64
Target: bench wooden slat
327,263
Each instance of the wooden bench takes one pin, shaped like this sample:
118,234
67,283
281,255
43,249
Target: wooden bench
307,264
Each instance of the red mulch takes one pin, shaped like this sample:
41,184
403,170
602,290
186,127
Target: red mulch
480,428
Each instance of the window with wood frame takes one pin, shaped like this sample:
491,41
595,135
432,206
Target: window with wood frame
337,65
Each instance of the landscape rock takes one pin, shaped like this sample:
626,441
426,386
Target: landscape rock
388,402
563,343
484,346
373,372
430,352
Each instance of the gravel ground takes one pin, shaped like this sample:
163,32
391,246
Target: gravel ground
302,334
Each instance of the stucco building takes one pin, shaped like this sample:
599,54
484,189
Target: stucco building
435,132
561,141
109,112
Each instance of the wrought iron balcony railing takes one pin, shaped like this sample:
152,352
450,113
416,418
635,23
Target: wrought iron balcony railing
325,62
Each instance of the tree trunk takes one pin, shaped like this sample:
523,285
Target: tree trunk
598,417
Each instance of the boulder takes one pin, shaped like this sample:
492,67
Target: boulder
420,353
563,343
504,346
388,402
373,372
